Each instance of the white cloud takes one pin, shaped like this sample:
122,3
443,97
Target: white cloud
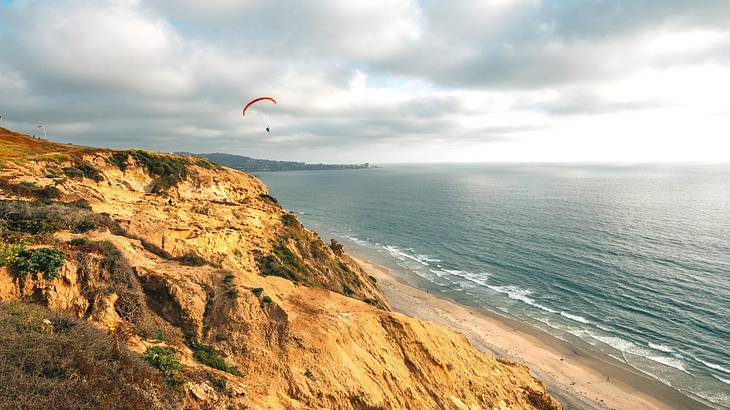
379,80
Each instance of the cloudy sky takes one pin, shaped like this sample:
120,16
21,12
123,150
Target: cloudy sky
375,80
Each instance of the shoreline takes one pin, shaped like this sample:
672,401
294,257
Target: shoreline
579,379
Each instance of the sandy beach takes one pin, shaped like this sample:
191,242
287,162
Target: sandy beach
579,379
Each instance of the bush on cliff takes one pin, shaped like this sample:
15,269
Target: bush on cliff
29,189
115,275
165,360
206,355
83,169
39,218
47,261
51,361
169,170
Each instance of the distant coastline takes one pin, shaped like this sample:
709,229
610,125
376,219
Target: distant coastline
248,164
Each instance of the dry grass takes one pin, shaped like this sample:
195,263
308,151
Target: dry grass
14,144
54,361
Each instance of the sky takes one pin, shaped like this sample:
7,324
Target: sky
375,80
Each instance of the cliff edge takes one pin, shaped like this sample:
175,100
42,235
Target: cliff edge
195,275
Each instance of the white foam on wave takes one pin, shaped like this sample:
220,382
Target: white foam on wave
397,252
714,366
662,348
357,240
625,346
613,341
726,381
517,293
669,361
577,318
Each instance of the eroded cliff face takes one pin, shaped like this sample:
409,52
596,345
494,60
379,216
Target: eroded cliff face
212,260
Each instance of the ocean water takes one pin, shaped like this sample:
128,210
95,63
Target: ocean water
631,260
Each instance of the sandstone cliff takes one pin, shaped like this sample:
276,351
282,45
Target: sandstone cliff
189,263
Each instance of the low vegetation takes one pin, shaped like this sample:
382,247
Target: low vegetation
30,190
269,198
539,400
84,169
45,261
113,274
165,360
51,361
169,170
38,218
206,355
284,263
191,259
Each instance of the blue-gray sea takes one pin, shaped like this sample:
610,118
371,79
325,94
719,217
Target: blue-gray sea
633,260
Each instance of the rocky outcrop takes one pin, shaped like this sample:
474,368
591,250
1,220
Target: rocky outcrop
262,313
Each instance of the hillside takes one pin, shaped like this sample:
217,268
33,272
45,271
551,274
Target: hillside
205,294
264,165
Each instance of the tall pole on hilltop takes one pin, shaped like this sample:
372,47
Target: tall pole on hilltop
45,137
1,120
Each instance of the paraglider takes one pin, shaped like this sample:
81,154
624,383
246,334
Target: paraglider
254,101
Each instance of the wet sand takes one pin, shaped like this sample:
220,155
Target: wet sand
577,378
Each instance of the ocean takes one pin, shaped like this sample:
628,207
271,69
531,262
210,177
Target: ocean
631,260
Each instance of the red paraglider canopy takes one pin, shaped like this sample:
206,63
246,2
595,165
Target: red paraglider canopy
254,101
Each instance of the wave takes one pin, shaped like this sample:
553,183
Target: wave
357,240
577,318
625,346
714,366
669,361
517,293
726,381
395,251
663,348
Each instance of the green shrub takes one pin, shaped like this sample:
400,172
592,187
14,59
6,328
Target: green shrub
119,159
41,260
164,359
159,335
9,253
53,173
89,171
269,198
206,355
169,170
267,299
221,384
205,163
29,189
191,259
228,279
233,294
32,226
73,172
84,226
257,291
78,242
80,203
308,373
290,220
539,400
